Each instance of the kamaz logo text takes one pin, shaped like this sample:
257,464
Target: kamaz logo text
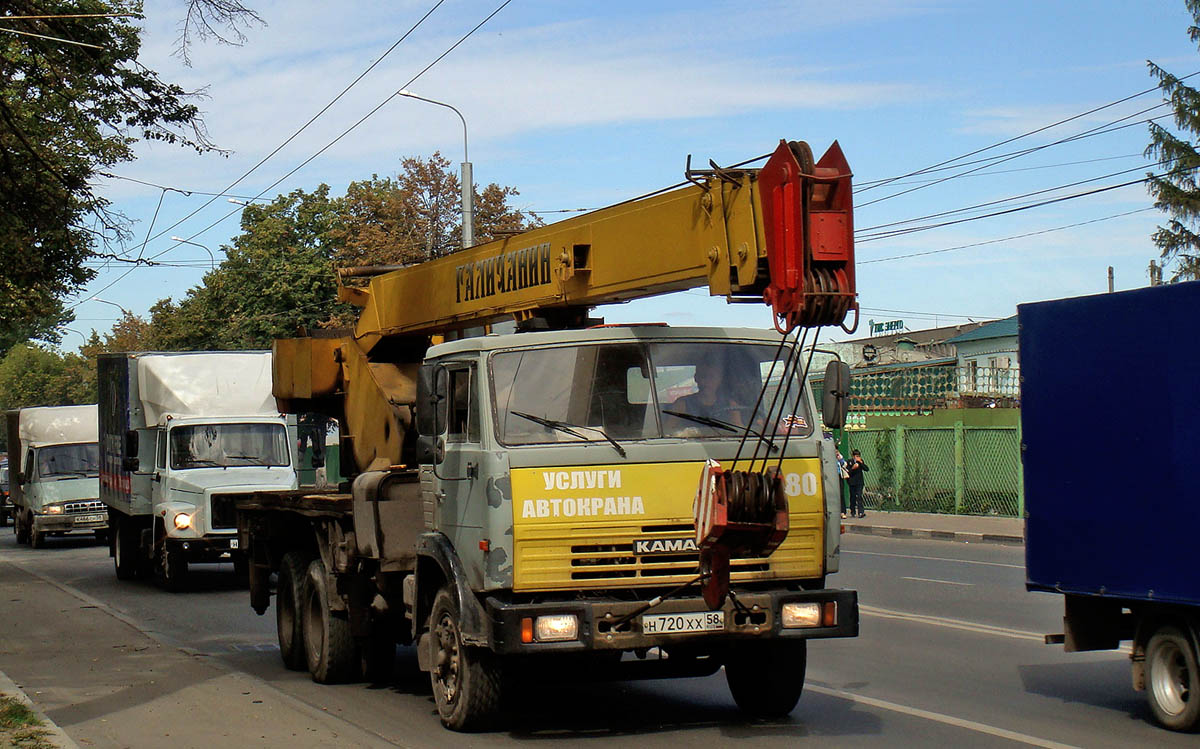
643,546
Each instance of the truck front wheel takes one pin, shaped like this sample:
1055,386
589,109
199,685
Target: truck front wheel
37,539
172,568
328,642
1171,679
466,680
125,549
766,678
288,621
21,528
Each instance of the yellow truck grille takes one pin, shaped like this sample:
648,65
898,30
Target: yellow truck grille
555,551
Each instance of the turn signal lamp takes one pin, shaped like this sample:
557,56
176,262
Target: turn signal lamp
183,521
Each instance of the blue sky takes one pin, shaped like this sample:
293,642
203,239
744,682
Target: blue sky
583,104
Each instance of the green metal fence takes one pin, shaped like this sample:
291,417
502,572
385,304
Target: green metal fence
961,470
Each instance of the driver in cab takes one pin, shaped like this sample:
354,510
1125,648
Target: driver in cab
715,398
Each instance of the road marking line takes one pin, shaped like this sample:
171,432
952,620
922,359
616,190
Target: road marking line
949,720
935,559
987,629
941,621
931,580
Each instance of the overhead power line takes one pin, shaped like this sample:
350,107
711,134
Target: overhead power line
1035,131
1051,201
1003,239
350,129
310,121
1092,131
1000,201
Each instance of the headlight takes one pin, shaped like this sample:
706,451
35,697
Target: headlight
801,615
183,521
53,509
556,628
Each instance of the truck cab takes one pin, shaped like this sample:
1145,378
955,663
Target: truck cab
184,433
574,456
56,489
200,465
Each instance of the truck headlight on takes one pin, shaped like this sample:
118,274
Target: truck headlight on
183,521
801,615
551,628
54,510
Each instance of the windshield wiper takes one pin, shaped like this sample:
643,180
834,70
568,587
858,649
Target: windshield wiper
245,457
563,426
719,424
204,461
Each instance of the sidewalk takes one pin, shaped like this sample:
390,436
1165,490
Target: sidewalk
966,528
105,683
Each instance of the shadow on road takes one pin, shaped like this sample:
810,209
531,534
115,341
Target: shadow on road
1103,684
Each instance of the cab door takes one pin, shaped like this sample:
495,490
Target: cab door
460,487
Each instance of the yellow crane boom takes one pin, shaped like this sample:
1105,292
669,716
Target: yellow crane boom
782,235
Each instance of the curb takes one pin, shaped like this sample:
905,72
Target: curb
960,536
57,735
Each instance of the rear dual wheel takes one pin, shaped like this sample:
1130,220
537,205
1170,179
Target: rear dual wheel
125,546
329,646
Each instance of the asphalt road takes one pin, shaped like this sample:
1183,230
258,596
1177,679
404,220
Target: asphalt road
950,652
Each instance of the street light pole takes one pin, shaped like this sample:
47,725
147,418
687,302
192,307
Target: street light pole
212,261
468,182
105,301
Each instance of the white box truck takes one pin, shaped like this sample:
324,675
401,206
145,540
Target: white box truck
55,473
183,435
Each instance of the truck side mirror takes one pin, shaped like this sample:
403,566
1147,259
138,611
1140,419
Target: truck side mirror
131,464
426,403
835,401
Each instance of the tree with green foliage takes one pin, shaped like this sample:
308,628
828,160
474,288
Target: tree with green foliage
417,215
73,102
39,376
276,279
1177,191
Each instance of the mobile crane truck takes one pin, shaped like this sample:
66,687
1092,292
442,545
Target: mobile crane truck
618,500
1111,514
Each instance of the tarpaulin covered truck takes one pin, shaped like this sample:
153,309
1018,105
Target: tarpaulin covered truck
1110,416
183,435
54,472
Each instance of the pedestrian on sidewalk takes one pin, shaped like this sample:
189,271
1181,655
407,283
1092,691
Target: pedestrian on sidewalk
843,474
856,467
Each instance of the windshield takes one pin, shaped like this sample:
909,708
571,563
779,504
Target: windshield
68,460
227,445
636,391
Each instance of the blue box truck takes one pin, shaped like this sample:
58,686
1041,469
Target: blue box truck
1110,417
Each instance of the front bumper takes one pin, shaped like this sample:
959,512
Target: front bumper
758,619
68,523
211,548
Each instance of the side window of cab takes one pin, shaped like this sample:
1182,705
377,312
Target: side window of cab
463,419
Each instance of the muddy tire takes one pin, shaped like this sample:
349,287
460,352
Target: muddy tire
172,569
289,623
22,530
466,680
37,539
1172,679
766,679
329,647
126,553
